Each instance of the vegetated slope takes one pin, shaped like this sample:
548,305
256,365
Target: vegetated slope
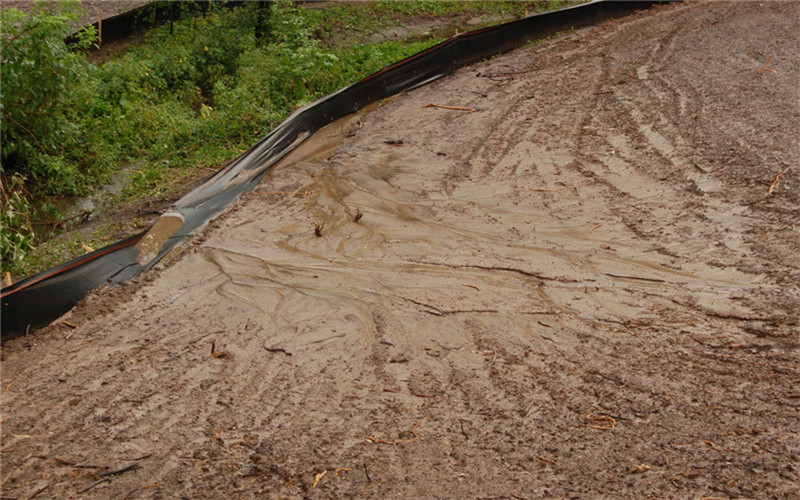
582,288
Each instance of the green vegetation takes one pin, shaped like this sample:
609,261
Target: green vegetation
181,100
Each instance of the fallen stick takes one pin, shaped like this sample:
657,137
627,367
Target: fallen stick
366,472
456,108
546,460
764,68
610,422
640,278
93,485
775,182
121,471
318,477
39,492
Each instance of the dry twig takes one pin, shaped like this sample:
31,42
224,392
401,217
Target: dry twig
602,422
765,67
318,477
103,480
456,108
214,354
775,182
546,460
121,471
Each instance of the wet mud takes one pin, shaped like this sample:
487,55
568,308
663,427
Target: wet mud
579,289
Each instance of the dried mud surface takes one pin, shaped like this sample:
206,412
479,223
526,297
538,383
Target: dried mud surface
582,289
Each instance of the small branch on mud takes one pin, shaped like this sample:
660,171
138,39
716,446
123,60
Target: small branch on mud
93,485
601,422
214,354
479,94
278,349
369,480
775,182
121,471
471,286
39,492
528,409
398,142
639,278
765,67
341,469
549,461
505,73
456,108
318,477
462,428
377,439
334,155
420,395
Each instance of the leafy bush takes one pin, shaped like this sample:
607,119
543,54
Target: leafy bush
40,73
17,237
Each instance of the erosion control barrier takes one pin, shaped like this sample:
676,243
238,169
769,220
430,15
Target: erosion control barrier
38,300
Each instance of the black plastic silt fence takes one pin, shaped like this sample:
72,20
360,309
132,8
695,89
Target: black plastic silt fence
38,300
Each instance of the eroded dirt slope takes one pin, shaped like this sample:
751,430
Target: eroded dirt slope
582,289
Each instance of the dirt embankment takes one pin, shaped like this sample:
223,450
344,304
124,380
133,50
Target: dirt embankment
580,289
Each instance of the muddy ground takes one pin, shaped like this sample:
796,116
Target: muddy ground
582,289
